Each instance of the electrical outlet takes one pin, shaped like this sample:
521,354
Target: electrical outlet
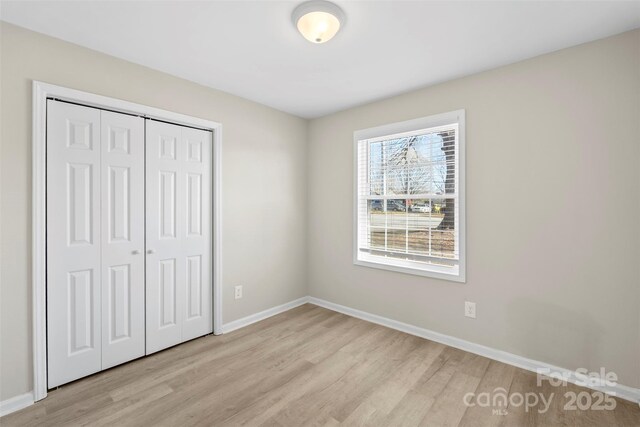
238,292
470,309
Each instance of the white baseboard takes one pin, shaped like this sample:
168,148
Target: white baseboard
619,390
16,403
246,321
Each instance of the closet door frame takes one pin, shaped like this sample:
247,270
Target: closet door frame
40,93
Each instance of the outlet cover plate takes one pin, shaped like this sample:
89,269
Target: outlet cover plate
470,309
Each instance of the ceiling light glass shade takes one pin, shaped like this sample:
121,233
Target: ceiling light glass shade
318,21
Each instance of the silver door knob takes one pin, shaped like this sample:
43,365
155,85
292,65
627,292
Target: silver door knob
136,252
151,251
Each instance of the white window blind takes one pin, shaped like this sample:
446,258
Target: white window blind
408,211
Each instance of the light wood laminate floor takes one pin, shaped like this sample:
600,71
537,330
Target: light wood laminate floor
308,367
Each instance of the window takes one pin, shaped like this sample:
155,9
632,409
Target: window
409,208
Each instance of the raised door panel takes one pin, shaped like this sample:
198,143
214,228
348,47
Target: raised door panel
168,292
81,311
123,273
195,300
73,242
80,207
194,204
119,199
167,204
119,303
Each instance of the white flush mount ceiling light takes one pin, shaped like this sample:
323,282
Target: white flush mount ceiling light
318,21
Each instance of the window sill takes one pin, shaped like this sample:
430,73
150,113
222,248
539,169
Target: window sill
455,274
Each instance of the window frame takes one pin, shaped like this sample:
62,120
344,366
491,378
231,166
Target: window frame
408,266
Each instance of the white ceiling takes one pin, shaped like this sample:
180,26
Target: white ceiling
251,48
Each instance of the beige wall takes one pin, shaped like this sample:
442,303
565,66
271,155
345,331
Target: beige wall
263,149
553,208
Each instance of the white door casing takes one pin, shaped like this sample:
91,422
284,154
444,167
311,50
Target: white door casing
178,229
73,242
122,195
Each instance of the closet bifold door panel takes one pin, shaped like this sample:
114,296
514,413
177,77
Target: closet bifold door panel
73,242
123,284
178,231
95,240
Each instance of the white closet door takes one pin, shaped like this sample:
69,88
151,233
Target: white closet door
163,265
73,242
178,213
197,242
123,287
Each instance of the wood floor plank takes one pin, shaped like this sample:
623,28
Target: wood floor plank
518,415
448,409
325,372
389,393
212,390
496,382
411,410
339,398
309,367
626,414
